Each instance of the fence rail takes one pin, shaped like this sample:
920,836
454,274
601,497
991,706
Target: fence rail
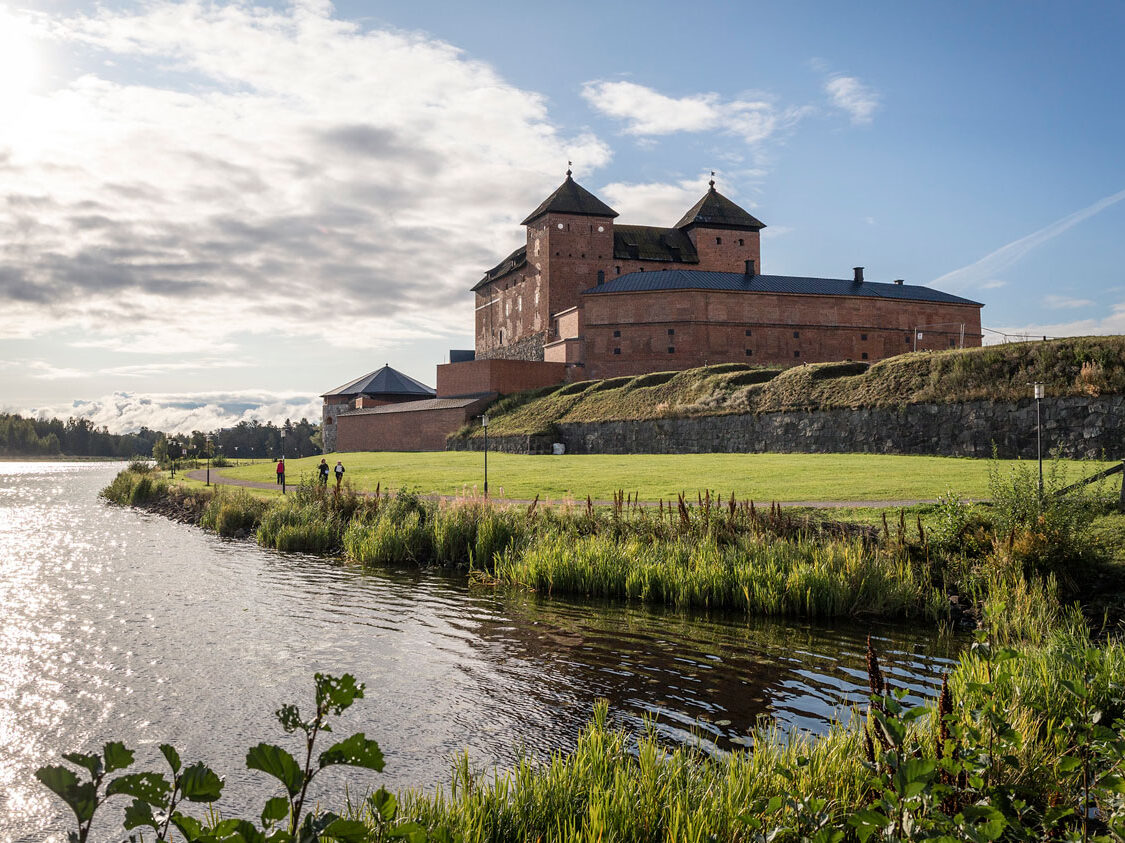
1101,475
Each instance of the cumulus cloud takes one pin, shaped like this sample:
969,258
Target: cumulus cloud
273,169
648,112
127,412
849,94
661,203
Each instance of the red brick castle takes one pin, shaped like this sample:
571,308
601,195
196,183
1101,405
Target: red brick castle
587,298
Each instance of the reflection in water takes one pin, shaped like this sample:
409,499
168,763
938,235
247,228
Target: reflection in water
122,625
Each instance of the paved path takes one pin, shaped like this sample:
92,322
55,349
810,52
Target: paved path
217,479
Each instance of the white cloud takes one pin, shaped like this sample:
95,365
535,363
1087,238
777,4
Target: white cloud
851,95
664,203
1113,323
1065,302
648,112
124,412
982,273
265,171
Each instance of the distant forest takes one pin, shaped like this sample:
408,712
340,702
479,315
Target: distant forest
20,437
76,437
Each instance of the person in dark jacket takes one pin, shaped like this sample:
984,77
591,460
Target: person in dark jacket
339,474
323,469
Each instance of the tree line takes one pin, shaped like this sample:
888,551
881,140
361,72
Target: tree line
80,437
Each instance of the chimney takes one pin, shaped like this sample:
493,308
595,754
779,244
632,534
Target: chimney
750,269
858,274
899,281
601,277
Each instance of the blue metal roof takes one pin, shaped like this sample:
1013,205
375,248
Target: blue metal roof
697,279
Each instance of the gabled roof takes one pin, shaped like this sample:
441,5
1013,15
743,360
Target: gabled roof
571,198
385,381
716,211
696,279
514,261
649,243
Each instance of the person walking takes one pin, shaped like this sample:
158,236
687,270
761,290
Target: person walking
323,469
281,472
339,474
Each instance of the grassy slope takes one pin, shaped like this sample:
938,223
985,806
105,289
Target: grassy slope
1072,366
764,477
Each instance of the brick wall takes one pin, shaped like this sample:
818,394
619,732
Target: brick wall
407,430
726,250
493,375
703,327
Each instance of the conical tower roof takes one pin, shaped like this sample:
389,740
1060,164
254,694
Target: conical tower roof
385,381
571,198
716,211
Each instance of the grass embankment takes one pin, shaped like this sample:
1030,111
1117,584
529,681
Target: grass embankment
1072,366
759,477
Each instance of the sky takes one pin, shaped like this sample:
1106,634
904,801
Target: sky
212,212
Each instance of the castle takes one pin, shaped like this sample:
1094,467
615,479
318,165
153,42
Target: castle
588,298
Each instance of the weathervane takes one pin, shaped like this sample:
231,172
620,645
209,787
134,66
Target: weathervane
568,164
712,182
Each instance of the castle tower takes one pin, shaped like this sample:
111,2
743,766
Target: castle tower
569,238
724,235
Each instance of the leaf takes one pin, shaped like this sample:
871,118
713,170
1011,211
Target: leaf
410,832
199,783
234,831
191,828
93,763
152,788
81,797
278,763
347,831
383,803
137,814
276,809
117,757
337,693
356,751
171,756
1068,764
289,716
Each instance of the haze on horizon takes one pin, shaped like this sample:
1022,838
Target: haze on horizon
215,212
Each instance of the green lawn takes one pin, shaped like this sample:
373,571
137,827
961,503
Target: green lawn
763,477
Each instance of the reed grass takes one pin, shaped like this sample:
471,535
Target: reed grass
233,513
299,527
829,579
135,488
614,786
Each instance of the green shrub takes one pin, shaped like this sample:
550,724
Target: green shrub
390,540
288,525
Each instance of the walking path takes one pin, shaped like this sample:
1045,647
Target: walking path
217,479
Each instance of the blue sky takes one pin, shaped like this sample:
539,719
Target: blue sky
217,211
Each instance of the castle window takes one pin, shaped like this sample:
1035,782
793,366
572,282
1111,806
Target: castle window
617,333
907,339
671,331
617,351
796,354
328,420
952,342
671,349
749,352
618,269
863,356
740,243
501,337
583,254
718,241
796,335
863,336
749,332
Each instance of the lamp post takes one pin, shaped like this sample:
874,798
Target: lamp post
1040,391
236,455
484,424
207,448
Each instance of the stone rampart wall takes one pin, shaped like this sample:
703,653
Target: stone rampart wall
1076,427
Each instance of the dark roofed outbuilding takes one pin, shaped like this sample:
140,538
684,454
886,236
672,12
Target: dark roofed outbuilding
384,382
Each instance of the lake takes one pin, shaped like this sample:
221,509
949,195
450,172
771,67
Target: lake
123,625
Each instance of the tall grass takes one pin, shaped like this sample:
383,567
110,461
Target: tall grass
233,513
797,577
613,786
134,488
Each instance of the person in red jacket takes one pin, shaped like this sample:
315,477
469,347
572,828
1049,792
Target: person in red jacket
281,471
